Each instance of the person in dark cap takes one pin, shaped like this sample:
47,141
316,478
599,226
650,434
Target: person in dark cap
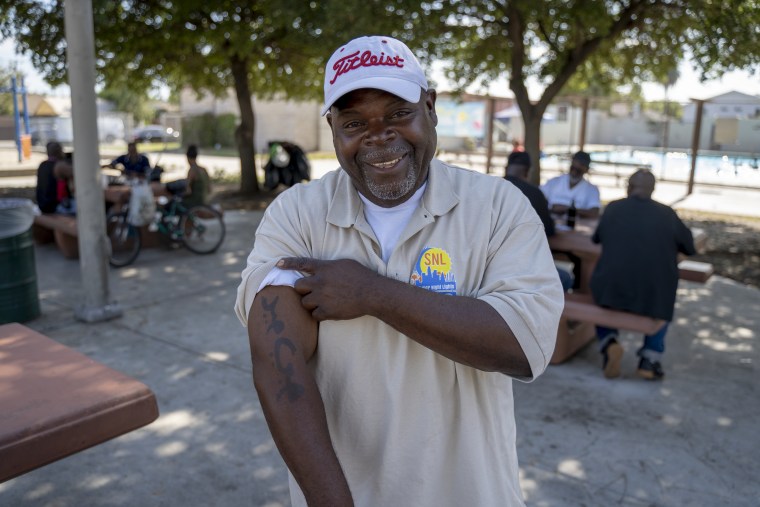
572,189
638,270
518,167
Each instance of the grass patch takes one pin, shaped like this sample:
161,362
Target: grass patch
157,147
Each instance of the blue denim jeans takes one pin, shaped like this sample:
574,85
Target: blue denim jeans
566,278
652,349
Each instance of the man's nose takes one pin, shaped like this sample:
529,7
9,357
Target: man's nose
379,132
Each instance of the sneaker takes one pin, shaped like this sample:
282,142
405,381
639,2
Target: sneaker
612,356
650,370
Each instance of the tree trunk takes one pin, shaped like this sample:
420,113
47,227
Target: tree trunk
532,128
244,133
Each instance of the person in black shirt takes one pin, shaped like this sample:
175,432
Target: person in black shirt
638,269
518,166
47,183
134,163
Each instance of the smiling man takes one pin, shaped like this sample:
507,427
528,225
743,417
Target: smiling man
390,303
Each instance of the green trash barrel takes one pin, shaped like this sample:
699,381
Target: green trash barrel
19,297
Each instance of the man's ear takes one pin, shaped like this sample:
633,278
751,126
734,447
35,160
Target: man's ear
329,119
431,95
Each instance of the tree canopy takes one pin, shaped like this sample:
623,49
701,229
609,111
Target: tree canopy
272,47
602,43
265,48
6,98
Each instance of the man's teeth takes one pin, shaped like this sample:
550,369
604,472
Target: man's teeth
385,165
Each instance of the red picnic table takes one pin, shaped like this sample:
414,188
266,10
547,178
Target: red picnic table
55,402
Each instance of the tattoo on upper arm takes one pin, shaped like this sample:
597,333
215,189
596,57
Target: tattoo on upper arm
284,365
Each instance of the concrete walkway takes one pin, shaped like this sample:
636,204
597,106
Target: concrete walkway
582,440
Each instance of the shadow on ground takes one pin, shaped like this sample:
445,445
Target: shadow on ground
582,440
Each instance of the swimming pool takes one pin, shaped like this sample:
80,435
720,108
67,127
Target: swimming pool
675,165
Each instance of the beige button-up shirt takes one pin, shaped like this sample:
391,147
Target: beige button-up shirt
409,426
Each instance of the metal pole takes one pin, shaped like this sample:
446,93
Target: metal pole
695,144
571,121
584,116
26,109
93,243
16,119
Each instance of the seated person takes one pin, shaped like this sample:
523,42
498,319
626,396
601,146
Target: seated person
518,167
64,175
47,183
638,269
198,184
135,164
572,188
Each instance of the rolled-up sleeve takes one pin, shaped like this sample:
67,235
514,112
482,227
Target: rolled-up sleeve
278,235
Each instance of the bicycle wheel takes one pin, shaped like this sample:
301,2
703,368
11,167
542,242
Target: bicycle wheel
202,229
124,238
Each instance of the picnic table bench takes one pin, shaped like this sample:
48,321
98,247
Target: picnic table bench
61,229
581,314
55,402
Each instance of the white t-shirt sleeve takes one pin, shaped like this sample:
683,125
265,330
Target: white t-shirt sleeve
279,276
280,234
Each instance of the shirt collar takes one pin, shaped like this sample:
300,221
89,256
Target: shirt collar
439,198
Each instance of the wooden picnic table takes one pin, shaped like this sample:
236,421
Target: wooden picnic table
55,402
576,245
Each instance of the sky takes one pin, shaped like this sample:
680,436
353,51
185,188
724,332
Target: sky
687,87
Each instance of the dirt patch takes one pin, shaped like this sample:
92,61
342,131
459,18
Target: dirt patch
732,246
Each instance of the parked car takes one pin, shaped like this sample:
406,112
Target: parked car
155,134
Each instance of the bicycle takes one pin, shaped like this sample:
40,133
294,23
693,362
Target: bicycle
199,228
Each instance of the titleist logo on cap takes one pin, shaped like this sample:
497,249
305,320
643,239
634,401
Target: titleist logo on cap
376,62
367,59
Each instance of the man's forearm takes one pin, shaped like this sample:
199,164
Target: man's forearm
289,396
464,329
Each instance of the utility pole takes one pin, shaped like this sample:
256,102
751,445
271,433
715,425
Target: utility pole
91,222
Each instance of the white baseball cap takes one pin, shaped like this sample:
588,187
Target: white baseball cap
378,62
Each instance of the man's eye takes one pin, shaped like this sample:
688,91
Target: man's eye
401,113
352,125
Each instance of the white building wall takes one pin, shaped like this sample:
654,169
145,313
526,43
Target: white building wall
625,131
727,105
300,122
283,120
749,136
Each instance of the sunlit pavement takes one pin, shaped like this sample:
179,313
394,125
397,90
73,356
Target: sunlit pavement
582,439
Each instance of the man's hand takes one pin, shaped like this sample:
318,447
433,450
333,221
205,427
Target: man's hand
332,290
464,329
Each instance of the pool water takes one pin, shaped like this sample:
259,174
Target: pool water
725,170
